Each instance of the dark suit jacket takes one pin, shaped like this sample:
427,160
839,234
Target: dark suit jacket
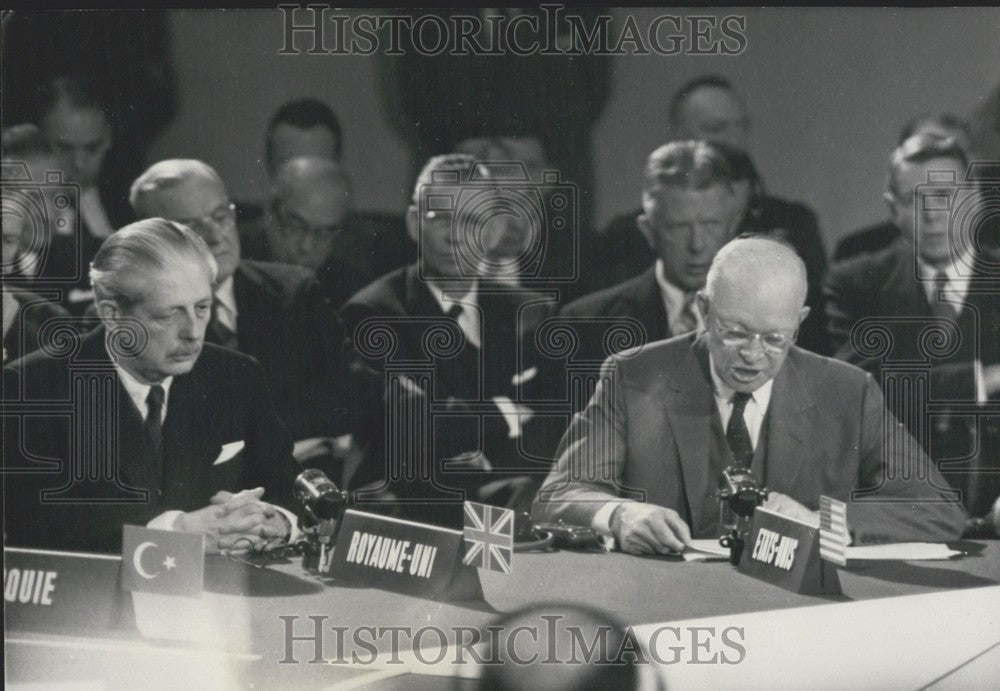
869,239
647,429
288,325
398,309
882,286
223,399
624,253
25,334
638,298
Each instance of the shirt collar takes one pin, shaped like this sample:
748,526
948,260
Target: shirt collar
445,303
957,273
673,297
137,390
762,396
225,294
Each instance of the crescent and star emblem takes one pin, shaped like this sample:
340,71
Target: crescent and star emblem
168,563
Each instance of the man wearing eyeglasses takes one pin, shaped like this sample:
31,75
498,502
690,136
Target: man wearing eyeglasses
643,460
274,312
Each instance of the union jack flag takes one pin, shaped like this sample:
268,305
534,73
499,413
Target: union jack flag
489,537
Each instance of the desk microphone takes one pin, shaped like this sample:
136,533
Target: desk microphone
739,496
323,505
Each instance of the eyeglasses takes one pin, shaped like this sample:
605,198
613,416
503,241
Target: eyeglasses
773,342
293,226
217,218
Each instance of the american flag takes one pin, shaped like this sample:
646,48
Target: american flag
489,537
833,535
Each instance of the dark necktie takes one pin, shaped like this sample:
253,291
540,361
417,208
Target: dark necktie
941,309
222,334
153,427
737,434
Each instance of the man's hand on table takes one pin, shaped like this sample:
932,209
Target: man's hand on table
236,523
649,529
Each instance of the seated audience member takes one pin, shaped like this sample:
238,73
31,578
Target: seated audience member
558,250
309,222
73,116
28,161
24,313
446,402
689,212
923,280
372,243
276,313
708,108
881,235
643,460
178,406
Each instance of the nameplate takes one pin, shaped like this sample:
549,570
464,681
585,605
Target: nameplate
402,556
785,552
63,592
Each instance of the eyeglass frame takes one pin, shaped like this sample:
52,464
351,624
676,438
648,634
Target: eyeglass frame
216,218
750,336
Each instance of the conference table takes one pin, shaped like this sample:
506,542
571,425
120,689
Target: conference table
897,624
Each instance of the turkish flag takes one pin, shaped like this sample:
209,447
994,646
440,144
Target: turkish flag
162,561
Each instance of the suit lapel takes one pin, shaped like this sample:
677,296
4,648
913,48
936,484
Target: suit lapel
688,411
789,425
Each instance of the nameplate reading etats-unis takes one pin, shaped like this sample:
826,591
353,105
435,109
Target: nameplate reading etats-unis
403,556
785,552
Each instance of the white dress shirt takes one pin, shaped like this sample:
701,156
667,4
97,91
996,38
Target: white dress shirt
225,310
673,299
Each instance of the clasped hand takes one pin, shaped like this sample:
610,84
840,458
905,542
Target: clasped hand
236,523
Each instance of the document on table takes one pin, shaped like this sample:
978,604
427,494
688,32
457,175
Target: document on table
903,551
705,550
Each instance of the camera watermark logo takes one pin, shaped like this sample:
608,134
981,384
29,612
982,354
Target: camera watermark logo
499,225
37,214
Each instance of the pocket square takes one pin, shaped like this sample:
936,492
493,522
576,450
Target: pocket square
228,451
525,376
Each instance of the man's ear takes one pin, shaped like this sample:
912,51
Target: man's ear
108,310
646,228
803,313
413,223
701,300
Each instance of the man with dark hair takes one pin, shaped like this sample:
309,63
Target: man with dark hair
876,237
709,108
303,127
276,313
183,435
920,283
442,358
689,211
74,117
643,460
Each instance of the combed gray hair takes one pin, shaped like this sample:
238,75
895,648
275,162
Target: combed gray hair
765,254
139,249
164,175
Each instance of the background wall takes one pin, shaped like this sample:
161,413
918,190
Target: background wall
827,90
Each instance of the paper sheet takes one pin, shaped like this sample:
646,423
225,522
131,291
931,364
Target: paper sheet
902,551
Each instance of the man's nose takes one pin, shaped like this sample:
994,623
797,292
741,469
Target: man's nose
696,239
192,327
752,351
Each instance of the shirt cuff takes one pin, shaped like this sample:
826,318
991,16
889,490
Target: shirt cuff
601,522
293,520
165,521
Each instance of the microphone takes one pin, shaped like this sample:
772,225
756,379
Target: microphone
739,496
323,505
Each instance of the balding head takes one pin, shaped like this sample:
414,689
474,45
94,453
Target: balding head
309,198
190,192
753,304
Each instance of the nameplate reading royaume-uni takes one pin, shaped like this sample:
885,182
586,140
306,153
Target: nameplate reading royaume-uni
402,556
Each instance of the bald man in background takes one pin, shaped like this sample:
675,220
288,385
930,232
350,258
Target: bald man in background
276,313
643,460
309,222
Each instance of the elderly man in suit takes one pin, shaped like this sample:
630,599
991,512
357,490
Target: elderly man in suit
930,277
163,429
276,313
461,360
643,460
